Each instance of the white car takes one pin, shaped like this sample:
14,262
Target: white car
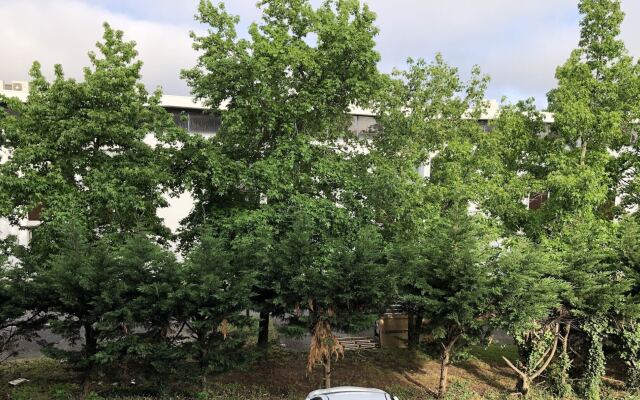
350,393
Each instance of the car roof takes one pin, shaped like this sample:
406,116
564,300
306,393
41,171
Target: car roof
346,390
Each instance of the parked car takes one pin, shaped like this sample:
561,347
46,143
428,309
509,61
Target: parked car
350,393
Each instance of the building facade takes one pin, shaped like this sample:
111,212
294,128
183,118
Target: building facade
194,117
188,113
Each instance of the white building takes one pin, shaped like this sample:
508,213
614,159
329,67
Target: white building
197,121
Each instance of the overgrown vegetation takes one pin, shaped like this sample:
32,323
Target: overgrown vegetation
297,216
282,376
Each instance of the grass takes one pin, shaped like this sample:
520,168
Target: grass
282,376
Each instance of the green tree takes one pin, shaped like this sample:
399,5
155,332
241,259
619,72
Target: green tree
442,246
579,165
16,296
533,303
520,145
593,121
333,272
210,301
112,294
284,145
138,302
529,306
457,283
77,153
628,325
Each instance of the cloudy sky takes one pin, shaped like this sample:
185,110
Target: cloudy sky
517,42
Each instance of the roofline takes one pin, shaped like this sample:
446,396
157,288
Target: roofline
189,102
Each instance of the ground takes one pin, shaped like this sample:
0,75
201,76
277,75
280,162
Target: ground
282,376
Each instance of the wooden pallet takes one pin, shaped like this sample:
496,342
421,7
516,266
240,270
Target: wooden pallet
358,343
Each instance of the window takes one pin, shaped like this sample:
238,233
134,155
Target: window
203,123
536,200
196,121
35,214
486,126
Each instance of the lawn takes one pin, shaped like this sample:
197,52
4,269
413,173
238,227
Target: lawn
282,376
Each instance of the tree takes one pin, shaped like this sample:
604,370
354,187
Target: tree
16,295
333,271
406,141
457,281
214,291
441,244
8,312
284,142
593,122
529,306
77,153
579,166
138,302
114,294
628,324
520,147
532,305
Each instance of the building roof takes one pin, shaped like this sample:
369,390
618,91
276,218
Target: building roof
172,101
188,102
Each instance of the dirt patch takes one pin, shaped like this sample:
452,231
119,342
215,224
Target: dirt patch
285,374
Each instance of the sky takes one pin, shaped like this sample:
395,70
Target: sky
519,43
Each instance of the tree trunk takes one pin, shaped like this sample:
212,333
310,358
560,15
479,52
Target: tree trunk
327,372
444,372
86,389
594,369
414,328
91,348
564,358
528,373
203,356
90,340
263,330
523,384
410,330
445,360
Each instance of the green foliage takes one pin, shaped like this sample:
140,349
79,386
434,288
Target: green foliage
115,296
558,379
530,285
440,250
214,292
594,371
79,145
15,298
284,160
517,170
297,215
333,267
78,155
629,330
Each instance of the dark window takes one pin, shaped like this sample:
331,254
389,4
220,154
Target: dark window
536,200
485,124
182,120
196,121
35,214
203,123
